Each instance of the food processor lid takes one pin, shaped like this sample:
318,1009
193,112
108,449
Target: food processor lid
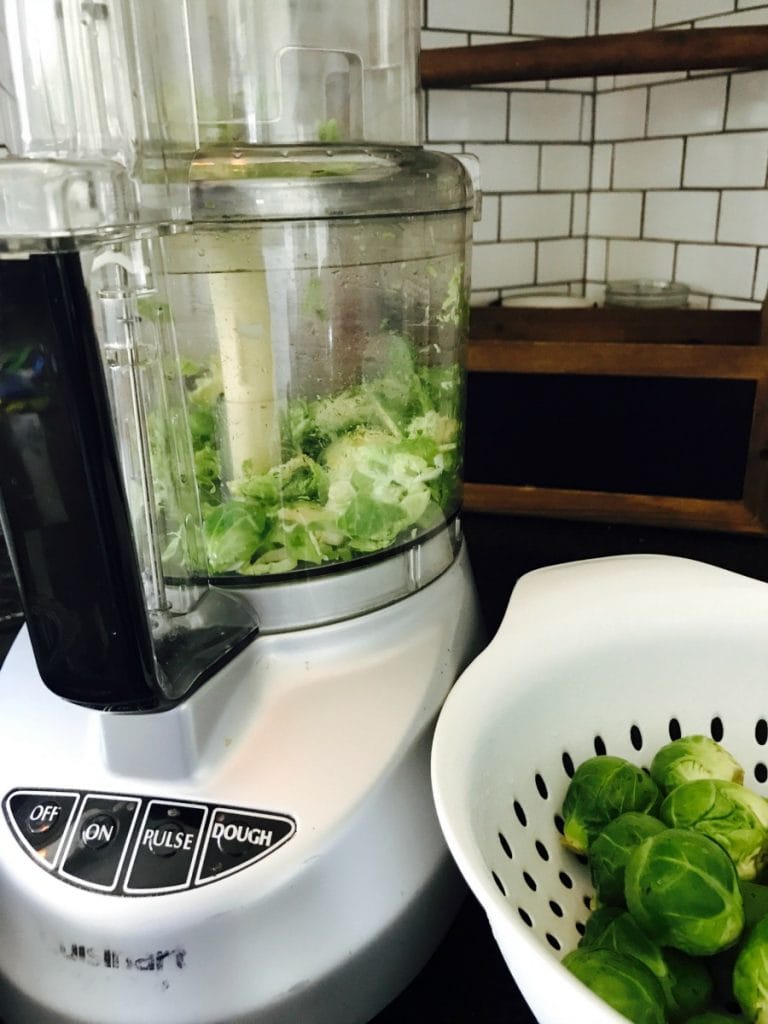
303,182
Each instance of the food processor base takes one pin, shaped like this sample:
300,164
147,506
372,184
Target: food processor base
318,881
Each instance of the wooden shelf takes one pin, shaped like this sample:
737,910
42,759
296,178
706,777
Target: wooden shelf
724,345
617,54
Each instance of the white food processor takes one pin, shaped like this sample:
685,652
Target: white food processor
232,365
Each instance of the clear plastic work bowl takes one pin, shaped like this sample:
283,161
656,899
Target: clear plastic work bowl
614,656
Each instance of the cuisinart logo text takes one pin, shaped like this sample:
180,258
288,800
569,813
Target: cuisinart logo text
160,960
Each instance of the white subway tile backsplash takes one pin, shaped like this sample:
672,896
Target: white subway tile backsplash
541,215
748,101
507,167
757,16
685,216
586,131
585,85
735,159
488,16
487,228
602,165
466,114
564,167
584,179
725,270
652,78
628,259
761,277
597,259
562,260
684,108
744,217
620,114
545,117
732,304
431,40
503,265
669,12
579,214
624,15
652,163
615,214
549,17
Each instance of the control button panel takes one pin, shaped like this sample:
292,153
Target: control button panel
140,846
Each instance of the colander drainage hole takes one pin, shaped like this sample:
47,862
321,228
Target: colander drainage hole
559,823
761,772
581,928
556,909
530,881
636,737
499,884
541,849
568,764
761,732
520,813
541,786
525,917
566,880
675,732
504,844
716,729
600,747
554,942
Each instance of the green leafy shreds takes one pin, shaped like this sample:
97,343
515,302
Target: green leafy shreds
362,468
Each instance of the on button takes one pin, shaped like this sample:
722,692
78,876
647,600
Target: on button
98,831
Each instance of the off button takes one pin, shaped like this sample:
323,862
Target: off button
40,819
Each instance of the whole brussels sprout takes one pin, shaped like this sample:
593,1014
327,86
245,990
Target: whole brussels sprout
685,982
609,853
682,889
750,974
691,758
622,982
730,814
601,789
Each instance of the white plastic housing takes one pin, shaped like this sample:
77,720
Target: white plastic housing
331,726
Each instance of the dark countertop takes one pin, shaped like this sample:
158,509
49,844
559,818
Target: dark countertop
466,980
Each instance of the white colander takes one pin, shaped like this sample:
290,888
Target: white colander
613,655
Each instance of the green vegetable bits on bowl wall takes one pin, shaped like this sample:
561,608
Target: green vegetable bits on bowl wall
678,857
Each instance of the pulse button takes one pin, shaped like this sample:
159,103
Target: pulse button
167,844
